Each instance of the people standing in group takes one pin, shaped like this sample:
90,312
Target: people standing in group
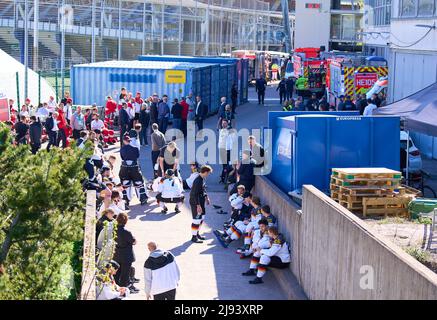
176,111
234,97
124,253
282,90
158,141
35,134
77,123
184,118
198,199
201,111
260,87
227,115
346,104
144,120
161,274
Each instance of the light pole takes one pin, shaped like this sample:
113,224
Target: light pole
26,46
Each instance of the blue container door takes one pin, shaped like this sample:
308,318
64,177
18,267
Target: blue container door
215,87
205,84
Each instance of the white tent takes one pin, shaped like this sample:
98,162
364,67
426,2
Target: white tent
8,82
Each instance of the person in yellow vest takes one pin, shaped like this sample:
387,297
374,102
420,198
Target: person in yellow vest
275,70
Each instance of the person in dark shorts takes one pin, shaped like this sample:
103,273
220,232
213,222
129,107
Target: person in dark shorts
198,198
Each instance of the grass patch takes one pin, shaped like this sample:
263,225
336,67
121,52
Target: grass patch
419,254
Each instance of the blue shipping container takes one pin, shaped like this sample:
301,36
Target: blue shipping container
92,83
307,147
240,76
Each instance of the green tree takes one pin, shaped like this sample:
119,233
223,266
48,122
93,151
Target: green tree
41,218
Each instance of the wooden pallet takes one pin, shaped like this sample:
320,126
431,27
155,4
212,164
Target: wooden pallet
409,191
385,206
395,183
360,191
366,173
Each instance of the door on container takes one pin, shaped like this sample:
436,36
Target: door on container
223,80
215,87
205,83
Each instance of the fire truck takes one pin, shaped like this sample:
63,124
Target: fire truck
309,70
352,75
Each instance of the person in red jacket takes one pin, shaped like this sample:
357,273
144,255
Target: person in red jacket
185,108
63,129
110,109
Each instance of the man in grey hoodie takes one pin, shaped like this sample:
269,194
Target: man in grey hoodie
161,274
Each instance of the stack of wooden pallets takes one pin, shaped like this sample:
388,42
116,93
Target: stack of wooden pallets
371,191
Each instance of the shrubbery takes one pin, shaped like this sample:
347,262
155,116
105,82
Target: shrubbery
41,220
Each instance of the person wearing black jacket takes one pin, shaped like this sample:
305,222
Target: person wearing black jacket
198,198
124,253
260,87
52,130
154,110
108,215
176,111
145,122
35,133
21,130
245,172
256,152
361,103
124,121
289,88
201,111
130,172
234,97
282,90
312,104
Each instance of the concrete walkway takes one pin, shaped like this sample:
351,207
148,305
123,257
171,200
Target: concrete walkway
208,271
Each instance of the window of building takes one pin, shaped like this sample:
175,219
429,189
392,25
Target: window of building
426,7
408,8
379,12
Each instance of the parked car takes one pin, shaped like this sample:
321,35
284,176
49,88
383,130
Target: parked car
414,157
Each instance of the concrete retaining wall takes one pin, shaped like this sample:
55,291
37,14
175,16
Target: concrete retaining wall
336,256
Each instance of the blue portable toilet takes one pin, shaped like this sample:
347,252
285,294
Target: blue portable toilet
307,147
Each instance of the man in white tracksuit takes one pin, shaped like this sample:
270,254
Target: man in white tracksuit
277,256
170,191
161,274
260,240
